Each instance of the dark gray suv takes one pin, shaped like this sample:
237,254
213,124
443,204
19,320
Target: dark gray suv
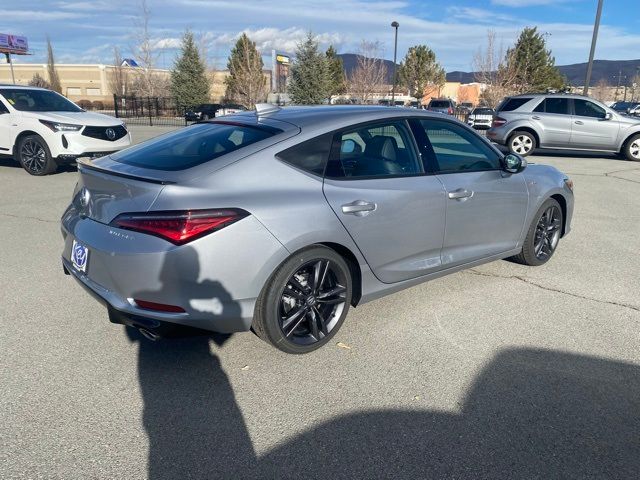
561,121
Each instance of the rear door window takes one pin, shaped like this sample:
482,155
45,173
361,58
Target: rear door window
374,150
193,145
555,105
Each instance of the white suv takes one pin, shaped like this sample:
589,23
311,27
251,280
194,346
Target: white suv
42,129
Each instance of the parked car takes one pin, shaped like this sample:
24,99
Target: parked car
206,111
560,121
442,105
635,111
280,220
41,129
624,107
465,108
480,118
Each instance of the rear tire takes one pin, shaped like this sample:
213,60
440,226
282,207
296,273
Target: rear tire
305,301
522,143
543,235
34,156
631,148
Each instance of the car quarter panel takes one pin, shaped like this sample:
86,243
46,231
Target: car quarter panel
543,182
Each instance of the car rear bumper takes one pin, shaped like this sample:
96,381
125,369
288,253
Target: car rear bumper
215,279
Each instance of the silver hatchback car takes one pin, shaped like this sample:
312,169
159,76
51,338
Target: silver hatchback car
560,121
279,220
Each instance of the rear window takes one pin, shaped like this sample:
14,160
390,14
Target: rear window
193,145
511,104
439,104
483,111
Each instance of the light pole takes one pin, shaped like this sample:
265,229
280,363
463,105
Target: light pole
395,52
594,39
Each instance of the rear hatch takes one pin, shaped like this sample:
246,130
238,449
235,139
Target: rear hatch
129,181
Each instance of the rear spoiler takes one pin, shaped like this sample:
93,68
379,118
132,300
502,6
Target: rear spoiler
87,164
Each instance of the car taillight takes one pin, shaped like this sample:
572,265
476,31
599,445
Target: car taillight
498,122
450,111
179,227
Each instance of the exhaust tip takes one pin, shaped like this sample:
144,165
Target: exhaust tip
154,337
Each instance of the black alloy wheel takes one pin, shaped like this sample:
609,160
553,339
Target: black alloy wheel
305,302
34,156
543,235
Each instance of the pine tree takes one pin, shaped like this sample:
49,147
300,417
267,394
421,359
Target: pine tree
420,70
309,82
246,82
533,64
54,79
189,82
337,78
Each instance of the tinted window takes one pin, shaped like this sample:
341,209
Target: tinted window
557,105
3,109
192,146
383,149
456,149
483,111
310,156
585,108
440,104
38,101
510,104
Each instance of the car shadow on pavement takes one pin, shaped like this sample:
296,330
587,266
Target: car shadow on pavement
530,413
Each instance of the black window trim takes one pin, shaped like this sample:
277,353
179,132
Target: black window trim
334,154
434,169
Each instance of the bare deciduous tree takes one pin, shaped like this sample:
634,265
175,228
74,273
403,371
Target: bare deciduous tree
494,71
119,81
147,82
602,90
370,73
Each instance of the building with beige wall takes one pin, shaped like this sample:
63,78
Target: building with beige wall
92,82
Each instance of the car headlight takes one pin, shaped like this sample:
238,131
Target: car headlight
61,127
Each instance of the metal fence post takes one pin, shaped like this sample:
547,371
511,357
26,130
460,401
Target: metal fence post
150,111
115,104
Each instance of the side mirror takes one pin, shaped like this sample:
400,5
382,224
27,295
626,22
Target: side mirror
608,116
513,163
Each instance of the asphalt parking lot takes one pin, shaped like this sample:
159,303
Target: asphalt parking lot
502,371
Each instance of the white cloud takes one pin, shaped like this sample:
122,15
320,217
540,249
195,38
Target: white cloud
525,3
165,43
39,16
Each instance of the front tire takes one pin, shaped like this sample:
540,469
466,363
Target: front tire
35,157
543,235
632,149
521,143
305,301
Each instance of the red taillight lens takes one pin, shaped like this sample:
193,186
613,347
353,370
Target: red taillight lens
498,122
179,227
450,111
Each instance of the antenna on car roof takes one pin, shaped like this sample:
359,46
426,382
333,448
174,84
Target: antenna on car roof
266,108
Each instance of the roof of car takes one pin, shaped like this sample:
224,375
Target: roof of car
542,94
20,87
322,115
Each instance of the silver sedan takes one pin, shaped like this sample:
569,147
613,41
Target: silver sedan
280,220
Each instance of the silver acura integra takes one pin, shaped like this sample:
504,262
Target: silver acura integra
279,220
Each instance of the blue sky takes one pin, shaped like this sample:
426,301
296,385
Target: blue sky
87,31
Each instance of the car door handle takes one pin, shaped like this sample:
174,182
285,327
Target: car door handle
359,208
536,117
460,194
579,122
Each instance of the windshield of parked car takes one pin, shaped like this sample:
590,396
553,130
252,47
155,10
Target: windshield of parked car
483,111
38,100
439,104
194,145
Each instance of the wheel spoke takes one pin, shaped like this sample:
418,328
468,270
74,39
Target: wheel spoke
323,323
324,275
317,273
337,290
297,285
313,324
295,319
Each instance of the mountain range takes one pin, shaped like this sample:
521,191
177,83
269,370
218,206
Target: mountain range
608,70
